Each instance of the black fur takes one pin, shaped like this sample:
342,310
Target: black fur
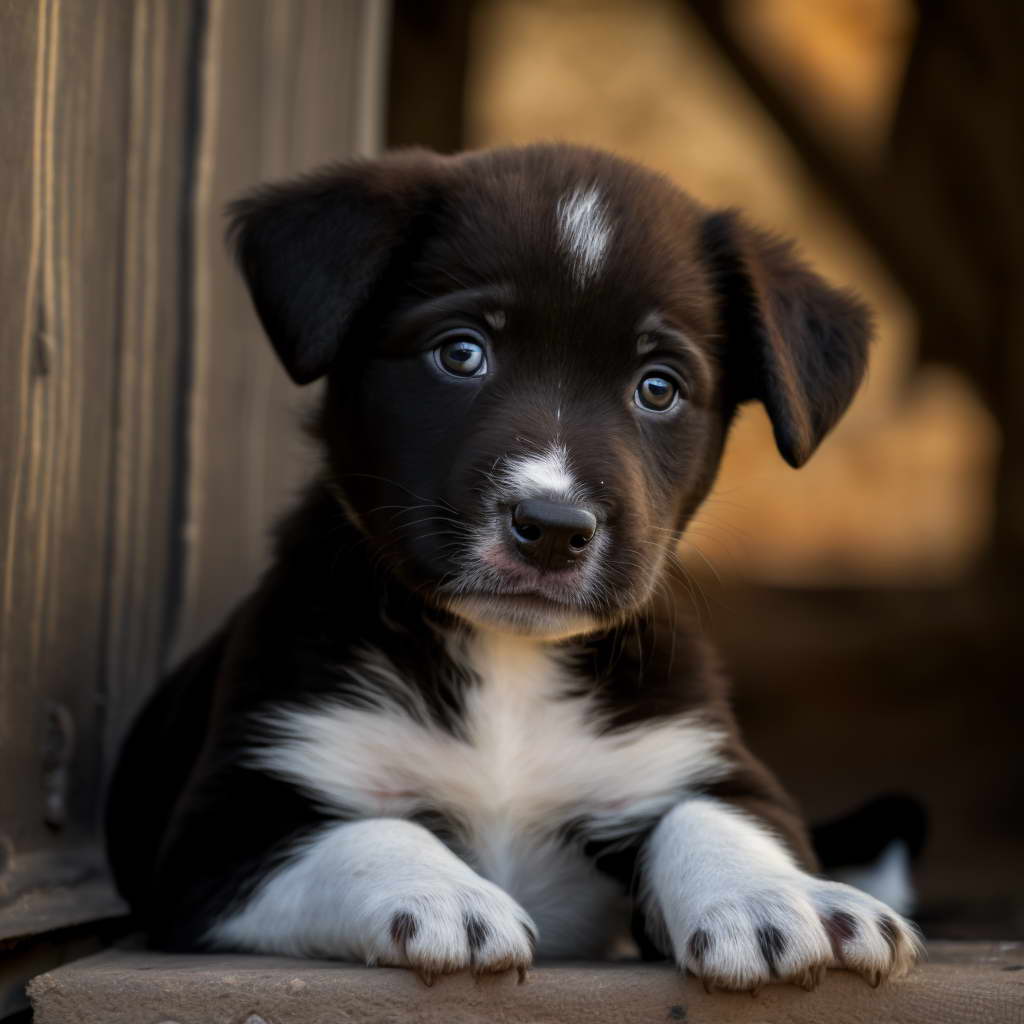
355,272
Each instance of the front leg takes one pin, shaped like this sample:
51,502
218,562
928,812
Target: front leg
737,911
383,891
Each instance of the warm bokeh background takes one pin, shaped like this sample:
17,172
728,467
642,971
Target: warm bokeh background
866,605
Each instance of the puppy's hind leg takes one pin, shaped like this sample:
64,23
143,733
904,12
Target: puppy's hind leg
384,891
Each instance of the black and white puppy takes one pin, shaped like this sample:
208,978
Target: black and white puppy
463,720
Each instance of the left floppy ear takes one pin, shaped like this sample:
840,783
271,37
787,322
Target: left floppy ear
793,342
315,251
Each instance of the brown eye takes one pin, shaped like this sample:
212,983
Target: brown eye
462,356
656,393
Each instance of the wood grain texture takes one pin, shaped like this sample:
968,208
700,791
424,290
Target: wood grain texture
967,984
148,440
286,87
136,384
65,144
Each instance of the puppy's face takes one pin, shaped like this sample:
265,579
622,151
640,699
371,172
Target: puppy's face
532,360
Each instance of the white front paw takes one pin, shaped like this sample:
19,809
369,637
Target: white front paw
791,930
450,926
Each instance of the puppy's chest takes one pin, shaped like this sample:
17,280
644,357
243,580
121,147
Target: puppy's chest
527,752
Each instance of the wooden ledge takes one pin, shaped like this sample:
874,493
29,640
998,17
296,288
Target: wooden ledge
962,983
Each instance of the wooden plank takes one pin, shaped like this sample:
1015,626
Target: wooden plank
958,983
287,87
95,96
107,232
64,105
150,436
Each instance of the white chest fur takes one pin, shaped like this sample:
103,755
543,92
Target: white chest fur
530,758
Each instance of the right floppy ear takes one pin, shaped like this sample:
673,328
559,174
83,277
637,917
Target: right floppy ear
313,251
792,341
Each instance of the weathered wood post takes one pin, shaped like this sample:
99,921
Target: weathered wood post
145,433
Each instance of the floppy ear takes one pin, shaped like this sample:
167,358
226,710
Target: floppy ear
314,251
792,342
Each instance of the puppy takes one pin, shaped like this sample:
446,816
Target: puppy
463,721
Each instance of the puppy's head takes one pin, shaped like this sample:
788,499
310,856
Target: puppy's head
532,358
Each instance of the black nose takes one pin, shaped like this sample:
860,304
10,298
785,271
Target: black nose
550,534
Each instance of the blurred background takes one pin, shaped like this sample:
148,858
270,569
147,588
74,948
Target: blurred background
867,606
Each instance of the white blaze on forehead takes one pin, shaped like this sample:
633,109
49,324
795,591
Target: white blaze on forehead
545,473
585,231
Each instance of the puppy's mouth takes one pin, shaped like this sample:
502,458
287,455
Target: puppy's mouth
497,573
501,592
523,599
554,593
527,614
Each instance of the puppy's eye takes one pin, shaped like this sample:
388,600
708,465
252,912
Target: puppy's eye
656,393
462,354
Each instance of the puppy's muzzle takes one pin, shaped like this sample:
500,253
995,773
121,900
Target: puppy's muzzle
552,535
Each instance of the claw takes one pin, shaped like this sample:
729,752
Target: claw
426,977
874,979
811,978
521,971
708,987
